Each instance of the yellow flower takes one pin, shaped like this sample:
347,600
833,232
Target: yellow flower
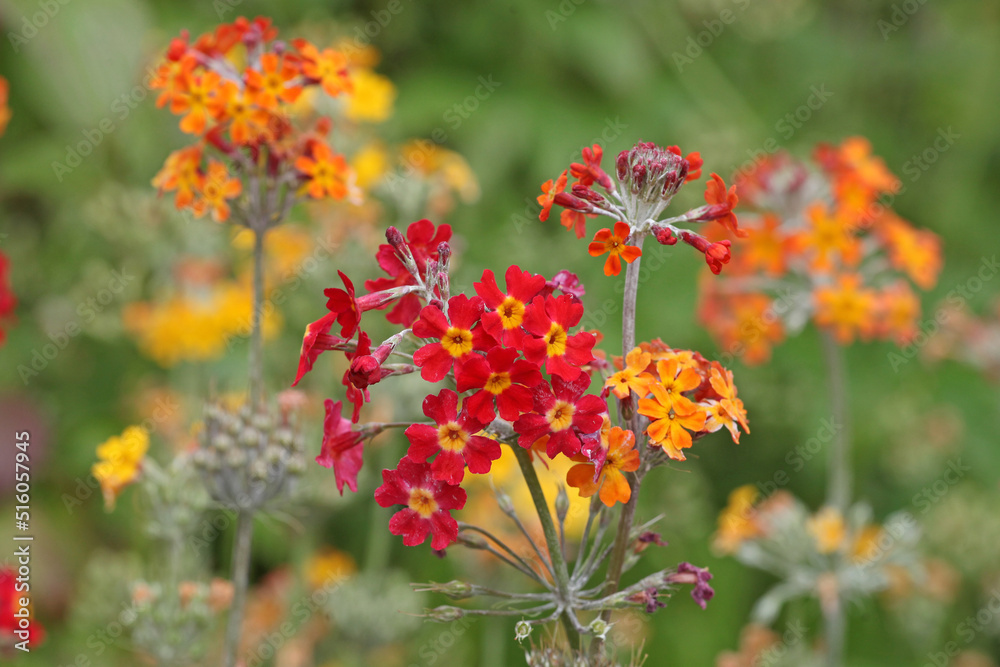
120,460
827,526
372,99
737,522
370,164
865,547
329,567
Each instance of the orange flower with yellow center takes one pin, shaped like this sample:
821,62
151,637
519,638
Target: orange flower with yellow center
273,83
328,66
422,502
198,101
674,382
846,307
327,173
616,244
217,188
671,421
611,484
828,237
633,377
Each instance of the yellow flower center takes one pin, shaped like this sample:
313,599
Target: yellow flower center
555,341
511,312
422,502
560,415
451,437
458,342
497,383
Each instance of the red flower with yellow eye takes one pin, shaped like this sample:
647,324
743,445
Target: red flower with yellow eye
551,318
342,448
506,316
428,502
562,413
615,243
609,482
499,375
550,189
274,82
456,339
453,439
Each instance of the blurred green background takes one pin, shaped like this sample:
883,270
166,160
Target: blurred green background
566,74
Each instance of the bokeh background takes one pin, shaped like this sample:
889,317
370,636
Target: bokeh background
565,74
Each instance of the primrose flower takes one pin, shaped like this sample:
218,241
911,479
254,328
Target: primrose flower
616,245
609,482
458,334
342,448
120,462
561,353
428,504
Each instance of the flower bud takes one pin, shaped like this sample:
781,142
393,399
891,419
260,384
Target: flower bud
522,630
446,614
599,628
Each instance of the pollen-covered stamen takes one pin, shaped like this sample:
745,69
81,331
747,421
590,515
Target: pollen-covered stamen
497,383
511,312
555,341
560,416
451,437
457,342
422,502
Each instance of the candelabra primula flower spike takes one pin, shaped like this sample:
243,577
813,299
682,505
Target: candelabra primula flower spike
648,177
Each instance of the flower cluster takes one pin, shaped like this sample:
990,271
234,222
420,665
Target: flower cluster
236,89
821,245
832,553
648,177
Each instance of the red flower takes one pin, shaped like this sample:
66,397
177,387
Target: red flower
716,254
575,220
616,244
694,163
428,501
563,414
316,341
9,605
366,366
501,375
453,440
504,321
422,241
723,203
342,447
550,189
551,319
590,171
456,339
344,305
7,299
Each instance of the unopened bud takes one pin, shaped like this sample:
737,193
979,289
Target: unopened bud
455,589
562,504
599,628
445,614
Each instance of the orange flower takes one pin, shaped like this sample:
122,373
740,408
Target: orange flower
738,521
181,172
610,483
327,172
828,528
915,252
716,195
328,66
196,100
4,109
247,122
846,307
828,237
550,189
274,82
216,189
616,244
766,247
898,310
576,221
674,381
633,377
729,410
670,427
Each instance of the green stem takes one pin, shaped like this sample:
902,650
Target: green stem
839,471
240,577
560,571
835,623
256,333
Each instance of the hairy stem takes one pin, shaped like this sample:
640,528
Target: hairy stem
617,562
560,571
240,577
256,334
